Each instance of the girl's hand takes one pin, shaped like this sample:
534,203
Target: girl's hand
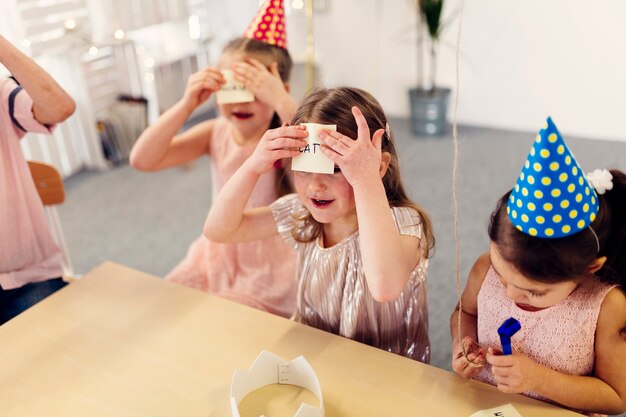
515,373
359,160
475,353
276,144
265,84
201,85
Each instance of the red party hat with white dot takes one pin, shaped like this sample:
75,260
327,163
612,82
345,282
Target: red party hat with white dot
269,24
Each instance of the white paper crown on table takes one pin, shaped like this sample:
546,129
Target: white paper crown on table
270,369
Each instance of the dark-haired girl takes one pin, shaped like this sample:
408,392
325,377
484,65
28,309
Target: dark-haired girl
556,263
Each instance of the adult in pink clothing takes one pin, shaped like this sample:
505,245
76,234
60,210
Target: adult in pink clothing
259,274
30,260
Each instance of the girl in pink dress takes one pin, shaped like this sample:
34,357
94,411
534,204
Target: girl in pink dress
362,245
259,274
556,261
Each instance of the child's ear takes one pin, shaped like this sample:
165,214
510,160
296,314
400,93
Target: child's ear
287,87
385,159
596,265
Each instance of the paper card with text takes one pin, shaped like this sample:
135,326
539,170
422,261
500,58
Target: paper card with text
311,158
506,410
232,91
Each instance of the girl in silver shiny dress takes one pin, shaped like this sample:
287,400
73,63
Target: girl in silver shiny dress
362,245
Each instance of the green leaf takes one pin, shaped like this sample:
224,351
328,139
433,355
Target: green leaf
431,10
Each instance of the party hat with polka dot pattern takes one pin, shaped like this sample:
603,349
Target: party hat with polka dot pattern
269,24
551,198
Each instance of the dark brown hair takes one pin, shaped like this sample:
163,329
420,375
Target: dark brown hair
267,54
334,106
561,259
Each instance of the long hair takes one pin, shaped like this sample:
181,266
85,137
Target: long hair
267,54
561,259
333,106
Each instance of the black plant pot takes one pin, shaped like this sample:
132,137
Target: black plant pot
429,110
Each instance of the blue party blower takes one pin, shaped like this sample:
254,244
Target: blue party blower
506,331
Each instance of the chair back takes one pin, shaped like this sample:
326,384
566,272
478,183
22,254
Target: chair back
48,182
50,187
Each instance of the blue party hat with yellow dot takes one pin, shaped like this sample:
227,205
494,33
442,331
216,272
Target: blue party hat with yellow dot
551,198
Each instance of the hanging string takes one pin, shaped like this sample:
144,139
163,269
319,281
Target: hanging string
455,167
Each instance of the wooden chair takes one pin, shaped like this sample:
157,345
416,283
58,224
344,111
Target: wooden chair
50,187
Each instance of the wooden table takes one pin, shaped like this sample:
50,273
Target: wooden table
119,342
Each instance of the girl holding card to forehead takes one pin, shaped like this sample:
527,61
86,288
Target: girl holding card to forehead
362,244
251,83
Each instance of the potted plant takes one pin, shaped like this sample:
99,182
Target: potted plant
429,101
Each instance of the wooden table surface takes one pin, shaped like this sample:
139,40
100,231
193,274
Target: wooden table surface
119,342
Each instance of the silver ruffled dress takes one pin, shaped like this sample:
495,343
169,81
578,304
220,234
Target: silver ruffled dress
333,293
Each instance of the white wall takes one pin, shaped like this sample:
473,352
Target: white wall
522,60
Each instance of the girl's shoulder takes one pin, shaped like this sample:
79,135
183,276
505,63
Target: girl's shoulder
212,134
217,127
408,220
614,305
285,208
610,341
479,270
200,132
289,214
406,211
287,201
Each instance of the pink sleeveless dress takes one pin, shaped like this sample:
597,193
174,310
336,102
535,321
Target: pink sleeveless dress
260,274
561,337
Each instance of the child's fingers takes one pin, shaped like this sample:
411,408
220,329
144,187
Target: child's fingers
377,139
218,78
274,69
211,85
196,79
204,71
334,135
507,389
298,131
493,351
257,64
465,370
201,80
287,143
500,372
335,143
286,131
285,153
331,153
363,128
498,360
213,73
243,69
